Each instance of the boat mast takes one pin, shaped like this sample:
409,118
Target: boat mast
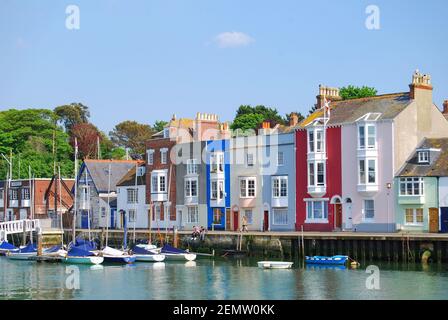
60,205
108,206
136,198
88,208
76,191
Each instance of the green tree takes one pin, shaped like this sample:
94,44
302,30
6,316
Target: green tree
29,135
159,125
71,114
352,92
132,135
248,117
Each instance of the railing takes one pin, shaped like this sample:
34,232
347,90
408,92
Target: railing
17,226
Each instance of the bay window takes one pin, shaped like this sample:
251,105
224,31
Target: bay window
316,140
316,173
279,187
158,183
217,162
192,167
191,187
193,214
367,136
217,190
247,187
367,171
413,186
317,210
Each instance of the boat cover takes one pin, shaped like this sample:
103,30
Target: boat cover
141,250
85,244
113,252
79,252
169,249
31,247
53,249
7,246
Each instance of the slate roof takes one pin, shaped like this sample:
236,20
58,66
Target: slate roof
129,179
98,170
438,166
348,111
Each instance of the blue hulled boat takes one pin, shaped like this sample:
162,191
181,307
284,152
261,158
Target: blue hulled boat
6,247
334,260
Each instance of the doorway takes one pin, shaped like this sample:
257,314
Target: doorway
433,220
266,221
348,214
236,218
338,215
228,220
444,219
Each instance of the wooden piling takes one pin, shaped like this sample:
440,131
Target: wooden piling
24,233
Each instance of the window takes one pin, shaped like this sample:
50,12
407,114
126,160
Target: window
310,141
191,187
319,141
131,215
193,214
411,186
141,171
250,159
192,167
132,195
280,158
247,187
25,194
221,189
151,156
103,212
316,174
217,162
367,136
1,194
13,194
279,187
367,171
85,194
158,183
317,210
369,209
414,216
163,156
280,216
214,190
423,157
249,216
158,210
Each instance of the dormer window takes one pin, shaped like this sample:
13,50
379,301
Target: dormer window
423,157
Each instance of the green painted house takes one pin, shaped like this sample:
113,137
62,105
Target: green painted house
417,188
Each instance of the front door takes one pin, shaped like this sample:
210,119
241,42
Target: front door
348,216
112,218
338,215
235,220
228,220
266,221
444,219
433,220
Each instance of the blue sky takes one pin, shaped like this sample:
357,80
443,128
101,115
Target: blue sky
145,60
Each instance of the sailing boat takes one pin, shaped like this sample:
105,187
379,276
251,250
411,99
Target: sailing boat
80,251
24,253
6,247
109,254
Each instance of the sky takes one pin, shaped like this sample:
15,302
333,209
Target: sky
146,60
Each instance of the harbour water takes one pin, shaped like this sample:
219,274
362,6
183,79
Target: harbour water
218,279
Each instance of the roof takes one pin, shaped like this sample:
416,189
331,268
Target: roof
349,111
438,166
98,170
129,179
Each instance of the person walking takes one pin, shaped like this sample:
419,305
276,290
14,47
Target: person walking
244,224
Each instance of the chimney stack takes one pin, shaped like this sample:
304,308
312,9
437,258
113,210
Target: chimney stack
445,107
266,125
421,86
293,119
328,93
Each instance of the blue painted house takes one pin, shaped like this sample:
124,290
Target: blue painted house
218,184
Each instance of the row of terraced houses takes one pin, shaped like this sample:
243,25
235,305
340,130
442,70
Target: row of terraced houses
376,164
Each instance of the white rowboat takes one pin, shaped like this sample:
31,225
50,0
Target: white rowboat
275,264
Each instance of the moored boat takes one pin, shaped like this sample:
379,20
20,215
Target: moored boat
112,255
78,255
6,247
24,253
275,264
172,253
144,255
334,260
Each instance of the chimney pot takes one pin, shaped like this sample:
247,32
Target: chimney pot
293,119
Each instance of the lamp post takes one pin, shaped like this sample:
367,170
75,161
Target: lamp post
388,186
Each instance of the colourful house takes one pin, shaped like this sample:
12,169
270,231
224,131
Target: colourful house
218,185
420,189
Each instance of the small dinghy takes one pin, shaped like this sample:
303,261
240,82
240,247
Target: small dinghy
77,255
24,253
112,255
275,264
6,247
172,253
334,260
55,251
143,254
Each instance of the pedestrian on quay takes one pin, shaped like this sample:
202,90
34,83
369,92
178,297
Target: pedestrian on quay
202,233
244,224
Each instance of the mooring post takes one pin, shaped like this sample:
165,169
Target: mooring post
39,242
24,233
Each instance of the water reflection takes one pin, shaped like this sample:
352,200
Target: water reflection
220,279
